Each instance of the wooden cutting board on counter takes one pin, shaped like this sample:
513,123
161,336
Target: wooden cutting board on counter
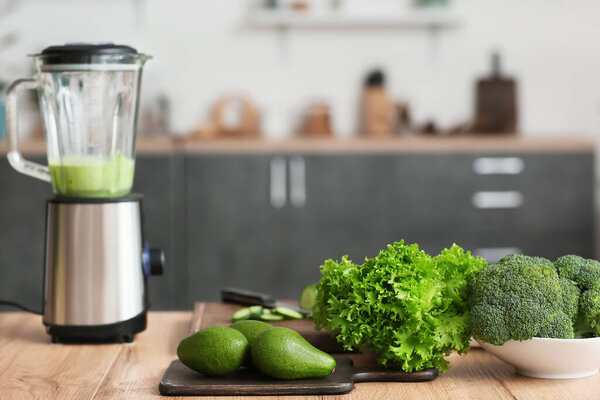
351,368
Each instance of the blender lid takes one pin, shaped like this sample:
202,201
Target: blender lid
88,53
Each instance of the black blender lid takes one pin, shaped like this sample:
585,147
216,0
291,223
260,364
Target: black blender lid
83,53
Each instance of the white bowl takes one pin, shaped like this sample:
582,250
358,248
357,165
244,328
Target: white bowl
550,358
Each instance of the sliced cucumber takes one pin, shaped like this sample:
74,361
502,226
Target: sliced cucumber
287,313
267,315
252,312
256,311
241,314
308,297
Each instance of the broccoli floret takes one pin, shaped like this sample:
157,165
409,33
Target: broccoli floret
487,323
519,259
589,275
570,294
521,297
588,323
559,326
568,267
586,275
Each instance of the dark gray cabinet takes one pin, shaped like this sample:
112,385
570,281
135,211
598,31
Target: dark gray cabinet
356,203
160,179
22,225
234,235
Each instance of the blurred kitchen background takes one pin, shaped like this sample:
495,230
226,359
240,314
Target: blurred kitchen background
274,134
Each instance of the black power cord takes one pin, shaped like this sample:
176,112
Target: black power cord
17,305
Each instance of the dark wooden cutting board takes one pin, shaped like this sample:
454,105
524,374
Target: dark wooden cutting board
351,368
179,380
496,102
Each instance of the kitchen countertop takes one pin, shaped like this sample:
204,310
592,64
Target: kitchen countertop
32,368
417,144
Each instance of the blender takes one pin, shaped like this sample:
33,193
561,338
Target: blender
96,263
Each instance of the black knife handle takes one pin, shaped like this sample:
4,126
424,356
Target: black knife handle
246,297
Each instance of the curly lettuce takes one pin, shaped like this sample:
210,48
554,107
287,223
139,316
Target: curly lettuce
409,308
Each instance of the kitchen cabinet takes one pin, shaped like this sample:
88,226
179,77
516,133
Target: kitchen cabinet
355,203
241,234
159,178
235,235
22,225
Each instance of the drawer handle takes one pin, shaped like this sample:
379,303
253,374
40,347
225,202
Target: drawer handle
498,165
494,254
504,199
297,182
278,182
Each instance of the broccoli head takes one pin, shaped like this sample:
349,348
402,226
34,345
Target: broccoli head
521,297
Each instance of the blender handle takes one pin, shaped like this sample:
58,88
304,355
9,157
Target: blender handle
12,133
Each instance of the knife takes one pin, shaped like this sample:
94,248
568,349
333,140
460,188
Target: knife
246,297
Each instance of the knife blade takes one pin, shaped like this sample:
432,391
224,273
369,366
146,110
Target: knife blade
246,297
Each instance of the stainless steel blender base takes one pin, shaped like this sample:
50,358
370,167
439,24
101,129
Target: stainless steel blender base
95,283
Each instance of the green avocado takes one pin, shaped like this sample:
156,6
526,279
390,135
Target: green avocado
218,350
250,328
283,353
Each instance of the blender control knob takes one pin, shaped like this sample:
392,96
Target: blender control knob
157,261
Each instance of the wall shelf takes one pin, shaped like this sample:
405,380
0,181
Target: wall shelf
432,19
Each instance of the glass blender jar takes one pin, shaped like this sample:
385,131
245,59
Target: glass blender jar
88,97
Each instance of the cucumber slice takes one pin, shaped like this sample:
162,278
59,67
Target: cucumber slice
308,297
241,314
288,313
267,315
252,312
256,311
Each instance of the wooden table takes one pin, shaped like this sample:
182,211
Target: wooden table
32,368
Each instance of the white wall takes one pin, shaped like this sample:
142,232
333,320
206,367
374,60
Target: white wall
203,50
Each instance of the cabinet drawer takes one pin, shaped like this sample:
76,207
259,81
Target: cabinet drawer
550,192
556,190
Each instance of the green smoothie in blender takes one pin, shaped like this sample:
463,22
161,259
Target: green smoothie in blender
85,177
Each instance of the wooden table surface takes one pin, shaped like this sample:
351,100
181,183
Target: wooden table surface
32,368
